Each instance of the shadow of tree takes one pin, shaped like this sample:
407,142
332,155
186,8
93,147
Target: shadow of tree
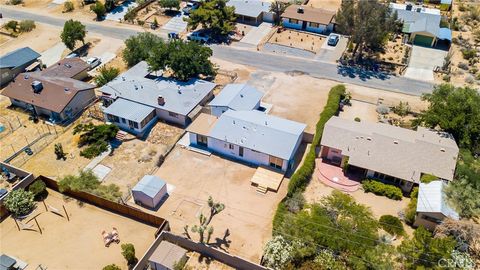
222,243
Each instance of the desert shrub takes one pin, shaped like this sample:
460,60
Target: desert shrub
95,138
12,25
19,202
357,119
15,2
463,66
469,79
277,252
130,15
27,25
37,188
68,6
382,189
402,109
427,178
469,53
411,210
474,70
446,78
391,225
112,267
295,203
85,181
128,252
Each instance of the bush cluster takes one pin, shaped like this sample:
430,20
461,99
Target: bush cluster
382,189
427,178
411,210
301,177
392,225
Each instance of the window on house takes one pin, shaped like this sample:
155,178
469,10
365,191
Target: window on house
113,118
431,219
231,146
314,25
276,162
132,124
293,21
124,121
202,140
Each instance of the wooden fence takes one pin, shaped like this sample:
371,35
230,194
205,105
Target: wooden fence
122,209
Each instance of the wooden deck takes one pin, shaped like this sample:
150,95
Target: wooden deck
267,179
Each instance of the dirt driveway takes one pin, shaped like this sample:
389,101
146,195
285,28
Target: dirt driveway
248,214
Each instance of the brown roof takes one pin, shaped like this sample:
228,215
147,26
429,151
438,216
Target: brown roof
310,14
202,124
68,67
56,94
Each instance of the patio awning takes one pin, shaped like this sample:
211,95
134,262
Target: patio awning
129,110
445,34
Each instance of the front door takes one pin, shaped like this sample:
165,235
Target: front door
304,25
240,151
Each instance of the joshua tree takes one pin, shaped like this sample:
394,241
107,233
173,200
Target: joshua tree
215,208
59,151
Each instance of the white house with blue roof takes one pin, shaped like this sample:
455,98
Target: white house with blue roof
15,62
136,99
149,191
250,136
237,97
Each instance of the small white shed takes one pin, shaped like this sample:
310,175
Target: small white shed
149,191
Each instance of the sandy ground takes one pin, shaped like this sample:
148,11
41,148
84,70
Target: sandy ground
40,39
74,244
136,158
365,111
248,214
325,4
299,40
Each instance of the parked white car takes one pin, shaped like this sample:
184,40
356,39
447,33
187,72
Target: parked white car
200,36
94,62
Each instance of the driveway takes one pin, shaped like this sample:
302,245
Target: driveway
423,61
53,55
176,24
331,54
257,34
119,12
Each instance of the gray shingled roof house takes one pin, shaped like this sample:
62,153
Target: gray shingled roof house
389,153
137,98
237,97
421,24
250,136
15,62
432,205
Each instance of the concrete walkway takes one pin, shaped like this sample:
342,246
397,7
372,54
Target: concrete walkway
423,61
53,55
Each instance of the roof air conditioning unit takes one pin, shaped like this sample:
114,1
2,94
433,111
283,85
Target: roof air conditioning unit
300,10
37,87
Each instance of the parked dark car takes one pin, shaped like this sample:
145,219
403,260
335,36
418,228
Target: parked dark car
189,7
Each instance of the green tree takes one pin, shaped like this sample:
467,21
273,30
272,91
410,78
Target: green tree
38,189
369,24
99,9
464,197
110,4
411,210
455,110
68,6
59,151
27,26
111,267
96,138
170,4
19,202
137,48
185,59
130,15
423,251
73,31
128,252
106,74
85,181
214,15
392,225
12,25
277,8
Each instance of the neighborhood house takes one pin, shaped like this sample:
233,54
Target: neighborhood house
15,62
422,24
237,97
250,136
310,19
137,98
388,153
55,92
252,12
432,206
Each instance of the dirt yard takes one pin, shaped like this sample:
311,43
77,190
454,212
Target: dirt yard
74,244
299,40
136,158
363,110
40,39
379,205
240,229
395,51
325,4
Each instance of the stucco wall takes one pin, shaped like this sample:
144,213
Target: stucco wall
79,102
125,126
164,115
287,24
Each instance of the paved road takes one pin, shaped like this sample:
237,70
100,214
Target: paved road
261,60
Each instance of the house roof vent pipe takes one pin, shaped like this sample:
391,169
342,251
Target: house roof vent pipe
161,100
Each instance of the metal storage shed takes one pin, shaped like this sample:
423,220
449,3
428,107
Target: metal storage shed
149,191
